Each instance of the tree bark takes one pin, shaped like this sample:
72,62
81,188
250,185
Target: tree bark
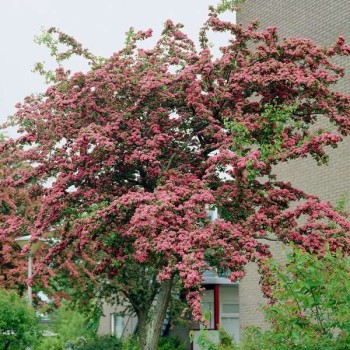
157,316
142,329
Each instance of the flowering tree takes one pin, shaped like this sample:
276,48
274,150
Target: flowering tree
131,155
17,209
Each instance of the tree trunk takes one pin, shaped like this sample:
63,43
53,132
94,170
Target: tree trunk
156,317
142,329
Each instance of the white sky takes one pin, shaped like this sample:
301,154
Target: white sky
100,25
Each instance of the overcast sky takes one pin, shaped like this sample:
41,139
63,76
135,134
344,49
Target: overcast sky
99,24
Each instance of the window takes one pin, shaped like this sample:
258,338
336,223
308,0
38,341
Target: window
117,325
230,318
209,307
229,310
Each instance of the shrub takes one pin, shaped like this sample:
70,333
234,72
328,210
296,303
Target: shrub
311,305
19,326
102,343
226,341
69,325
171,343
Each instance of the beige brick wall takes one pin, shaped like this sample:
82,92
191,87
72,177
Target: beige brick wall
250,297
322,21
129,322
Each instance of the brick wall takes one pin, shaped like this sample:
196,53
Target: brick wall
322,21
129,322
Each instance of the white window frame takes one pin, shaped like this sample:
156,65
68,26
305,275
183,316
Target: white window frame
114,330
234,315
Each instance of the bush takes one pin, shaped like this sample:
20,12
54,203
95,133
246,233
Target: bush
103,343
112,343
69,325
311,305
171,343
226,341
19,326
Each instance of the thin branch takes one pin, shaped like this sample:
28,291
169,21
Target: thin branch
317,313
178,152
267,238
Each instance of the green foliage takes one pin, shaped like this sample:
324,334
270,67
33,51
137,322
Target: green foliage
81,343
272,124
113,343
99,343
342,203
61,47
50,343
130,343
104,343
228,5
82,294
226,341
19,327
70,326
253,339
310,311
76,344
171,343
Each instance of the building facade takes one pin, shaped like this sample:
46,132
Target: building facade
322,21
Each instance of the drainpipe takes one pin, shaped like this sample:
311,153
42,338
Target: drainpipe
216,306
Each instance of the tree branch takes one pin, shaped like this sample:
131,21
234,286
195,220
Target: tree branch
179,152
267,238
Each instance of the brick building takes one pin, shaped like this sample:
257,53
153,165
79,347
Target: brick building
321,21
